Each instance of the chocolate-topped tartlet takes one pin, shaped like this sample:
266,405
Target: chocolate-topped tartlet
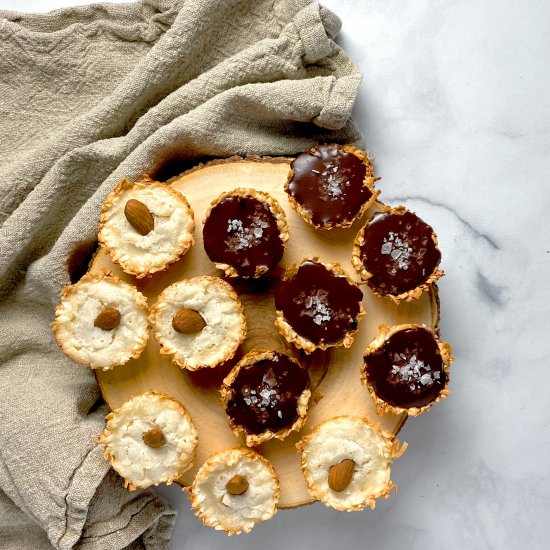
245,233
266,395
396,254
331,185
406,369
318,306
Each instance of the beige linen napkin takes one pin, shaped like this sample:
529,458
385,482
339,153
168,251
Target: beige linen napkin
87,96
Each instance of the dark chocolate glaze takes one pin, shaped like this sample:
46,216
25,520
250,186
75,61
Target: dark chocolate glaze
399,251
319,305
329,184
264,395
243,233
407,371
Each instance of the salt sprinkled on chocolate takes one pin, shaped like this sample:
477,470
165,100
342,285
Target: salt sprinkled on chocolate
407,371
328,183
265,392
242,231
399,252
319,305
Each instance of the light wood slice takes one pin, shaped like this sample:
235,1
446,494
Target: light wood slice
336,388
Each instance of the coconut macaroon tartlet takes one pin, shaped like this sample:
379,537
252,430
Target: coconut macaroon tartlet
266,395
145,226
199,322
318,305
331,185
346,462
149,440
245,233
406,369
396,254
101,321
234,490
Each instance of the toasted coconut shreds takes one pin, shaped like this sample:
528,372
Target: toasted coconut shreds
81,303
349,438
219,306
385,332
125,448
218,508
143,255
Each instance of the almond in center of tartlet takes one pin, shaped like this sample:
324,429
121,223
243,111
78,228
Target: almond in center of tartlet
139,217
237,485
108,318
339,475
154,438
188,321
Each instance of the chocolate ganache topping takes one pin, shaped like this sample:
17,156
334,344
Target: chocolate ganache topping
399,251
242,231
264,395
328,183
407,371
318,304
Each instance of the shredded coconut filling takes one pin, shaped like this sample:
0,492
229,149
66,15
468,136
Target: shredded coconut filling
132,458
348,438
172,219
219,309
98,347
235,512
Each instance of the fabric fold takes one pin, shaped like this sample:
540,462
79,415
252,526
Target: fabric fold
90,95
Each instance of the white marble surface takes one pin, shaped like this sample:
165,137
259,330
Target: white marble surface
455,104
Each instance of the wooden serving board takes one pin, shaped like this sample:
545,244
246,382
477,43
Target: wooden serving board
336,388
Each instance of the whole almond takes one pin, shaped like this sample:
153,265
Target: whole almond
139,217
188,321
154,438
339,475
237,485
108,319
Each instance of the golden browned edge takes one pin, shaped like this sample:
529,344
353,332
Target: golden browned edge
274,208
365,275
252,439
186,240
182,466
165,349
141,302
285,328
367,182
384,333
392,446
204,472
